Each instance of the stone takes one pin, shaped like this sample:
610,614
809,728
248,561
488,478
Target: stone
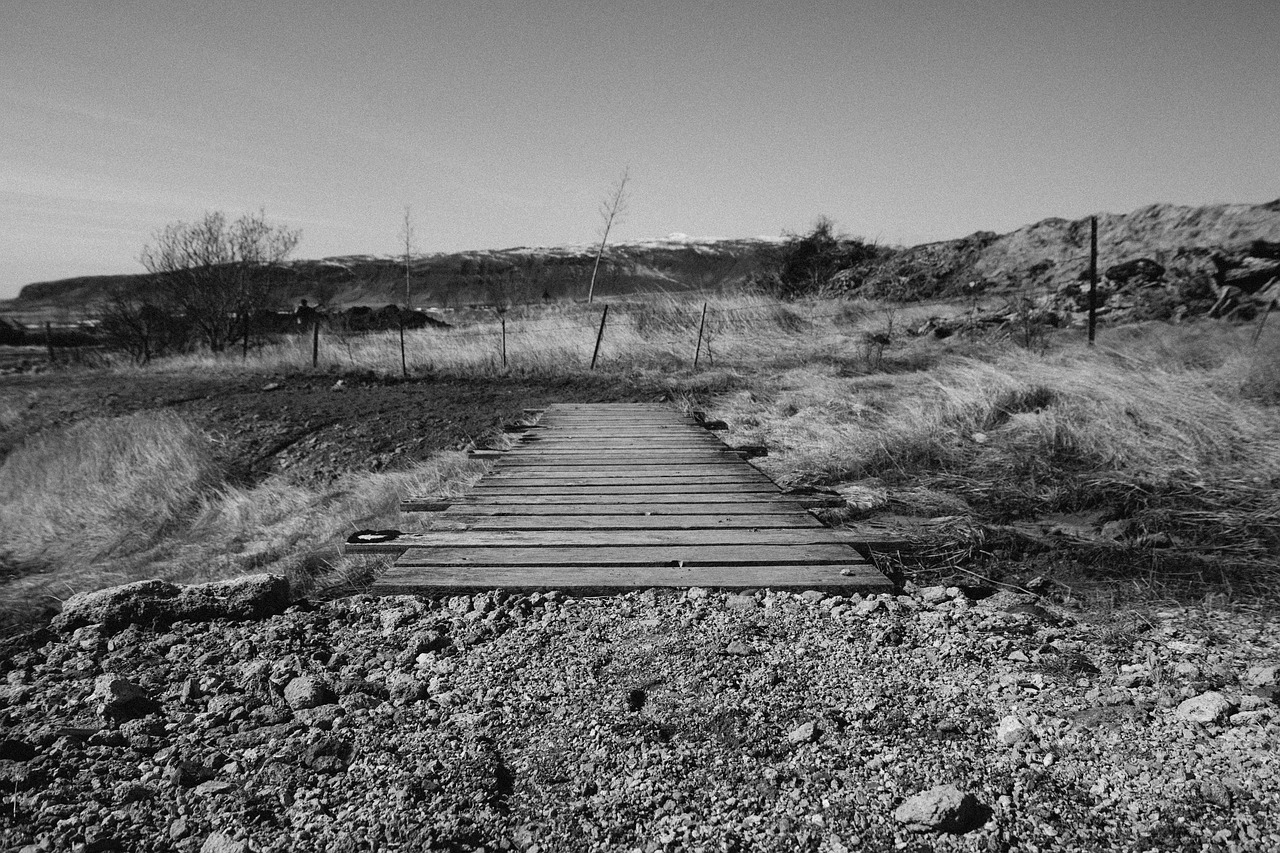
1247,718
213,787
407,689
115,607
739,648
866,608
321,717
741,602
944,808
221,842
245,598
118,698
803,733
306,691
157,602
934,595
1011,730
1210,707
1261,675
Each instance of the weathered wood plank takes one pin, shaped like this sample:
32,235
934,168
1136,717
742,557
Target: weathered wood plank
676,499
636,510
631,483
484,488
593,538
627,555
623,476
617,441
503,471
729,521
607,580
522,459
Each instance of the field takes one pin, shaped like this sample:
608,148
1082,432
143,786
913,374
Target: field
1143,468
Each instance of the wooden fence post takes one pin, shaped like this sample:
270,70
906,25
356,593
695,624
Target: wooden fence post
404,365
599,337
244,323
48,340
504,342
702,324
1093,278
315,343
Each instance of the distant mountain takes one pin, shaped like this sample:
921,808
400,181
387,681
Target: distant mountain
673,264
1179,255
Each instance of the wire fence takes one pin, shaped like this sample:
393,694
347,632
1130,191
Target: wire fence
670,335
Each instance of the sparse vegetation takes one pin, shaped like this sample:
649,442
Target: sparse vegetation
1167,435
211,271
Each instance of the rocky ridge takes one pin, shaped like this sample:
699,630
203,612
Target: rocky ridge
941,718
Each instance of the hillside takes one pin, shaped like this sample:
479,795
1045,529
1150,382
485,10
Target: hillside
521,274
1156,258
1166,259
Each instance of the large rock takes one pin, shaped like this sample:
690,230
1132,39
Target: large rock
1210,707
120,699
244,598
306,691
155,603
944,808
140,602
221,842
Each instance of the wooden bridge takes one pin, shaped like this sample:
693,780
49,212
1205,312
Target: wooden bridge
609,498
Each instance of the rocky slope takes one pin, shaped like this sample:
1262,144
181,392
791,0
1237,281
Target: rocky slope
1158,262
227,718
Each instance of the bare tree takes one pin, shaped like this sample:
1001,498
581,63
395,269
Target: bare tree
613,208
132,321
214,271
407,234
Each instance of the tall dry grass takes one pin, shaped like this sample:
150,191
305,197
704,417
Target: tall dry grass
100,489
1174,429
658,334
115,500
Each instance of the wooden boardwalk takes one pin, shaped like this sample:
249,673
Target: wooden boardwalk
608,498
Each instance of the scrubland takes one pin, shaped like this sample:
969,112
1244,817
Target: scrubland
1167,432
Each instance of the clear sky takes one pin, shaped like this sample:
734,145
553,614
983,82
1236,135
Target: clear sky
503,122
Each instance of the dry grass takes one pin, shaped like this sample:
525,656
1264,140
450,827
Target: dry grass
111,501
100,489
1163,426
1172,427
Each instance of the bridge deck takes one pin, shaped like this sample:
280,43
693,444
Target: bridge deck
609,498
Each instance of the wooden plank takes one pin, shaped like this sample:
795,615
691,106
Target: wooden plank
624,555
844,579
684,498
740,521
522,459
621,468
591,442
484,488
593,538
640,510
612,476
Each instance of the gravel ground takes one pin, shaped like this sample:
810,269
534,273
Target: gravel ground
658,720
